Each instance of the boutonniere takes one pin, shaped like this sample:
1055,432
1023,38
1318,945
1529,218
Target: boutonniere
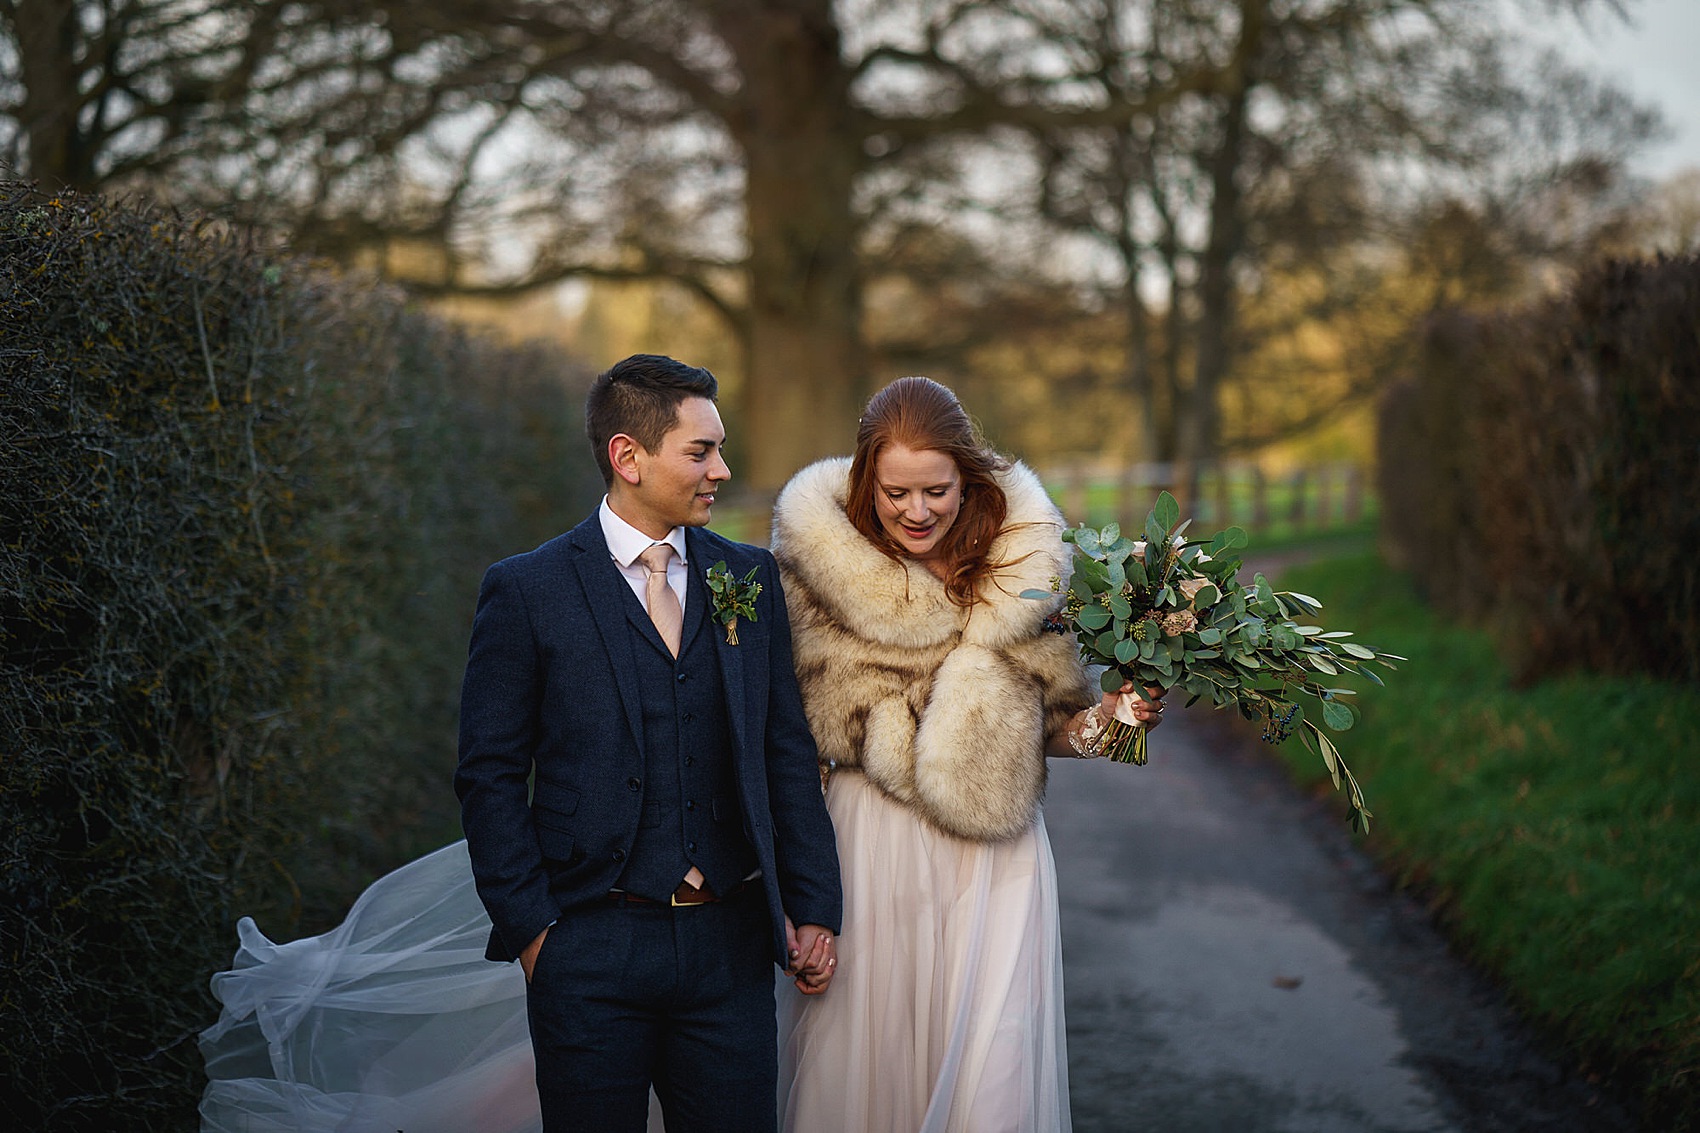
733,598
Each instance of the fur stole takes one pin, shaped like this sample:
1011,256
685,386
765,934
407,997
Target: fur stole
946,710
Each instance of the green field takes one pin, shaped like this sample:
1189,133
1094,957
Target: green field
1556,827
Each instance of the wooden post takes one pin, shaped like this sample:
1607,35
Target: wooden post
1224,496
1354,493
1259,499
1074,496
1133,505
1301,483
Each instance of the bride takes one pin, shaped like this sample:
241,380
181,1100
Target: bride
935,695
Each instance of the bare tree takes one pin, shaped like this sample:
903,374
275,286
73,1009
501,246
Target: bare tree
722,144
1332,120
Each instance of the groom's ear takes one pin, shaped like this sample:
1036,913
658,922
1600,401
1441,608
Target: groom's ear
623,454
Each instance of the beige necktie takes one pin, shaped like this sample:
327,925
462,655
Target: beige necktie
669,619
663,604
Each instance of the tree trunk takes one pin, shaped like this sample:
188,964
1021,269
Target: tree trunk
1216,308
802,150
46,37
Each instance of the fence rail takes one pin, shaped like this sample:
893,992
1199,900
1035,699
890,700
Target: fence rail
1308,498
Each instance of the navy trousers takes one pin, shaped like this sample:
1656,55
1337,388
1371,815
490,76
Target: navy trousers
628,995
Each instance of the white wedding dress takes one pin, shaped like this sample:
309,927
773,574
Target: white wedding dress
946,1012
394,1020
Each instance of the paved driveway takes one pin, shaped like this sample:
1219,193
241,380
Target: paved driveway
1234,963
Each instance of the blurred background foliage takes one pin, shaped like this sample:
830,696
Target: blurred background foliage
254,460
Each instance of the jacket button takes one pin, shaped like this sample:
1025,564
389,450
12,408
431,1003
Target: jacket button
633,783
689,759
690,804
681,678
689,717
691,846
619,855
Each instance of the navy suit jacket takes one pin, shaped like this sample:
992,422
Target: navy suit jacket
551,737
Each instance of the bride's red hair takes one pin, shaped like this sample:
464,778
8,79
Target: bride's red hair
924,416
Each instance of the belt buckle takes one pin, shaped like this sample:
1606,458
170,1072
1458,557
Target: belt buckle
704,898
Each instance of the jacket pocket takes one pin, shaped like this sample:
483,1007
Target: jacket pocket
555,826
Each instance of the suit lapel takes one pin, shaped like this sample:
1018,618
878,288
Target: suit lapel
696,597
609,597
731,660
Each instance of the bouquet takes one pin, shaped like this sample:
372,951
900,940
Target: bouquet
1173,613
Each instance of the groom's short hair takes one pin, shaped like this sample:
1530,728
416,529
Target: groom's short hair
639,396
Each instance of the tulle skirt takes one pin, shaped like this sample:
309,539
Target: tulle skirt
946,1013
393,1020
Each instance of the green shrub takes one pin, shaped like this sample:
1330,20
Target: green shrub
243,512
1541,469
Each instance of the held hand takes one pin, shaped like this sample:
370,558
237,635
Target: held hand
816,961
528,956
1147,709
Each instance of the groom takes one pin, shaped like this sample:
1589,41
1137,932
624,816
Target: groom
640,793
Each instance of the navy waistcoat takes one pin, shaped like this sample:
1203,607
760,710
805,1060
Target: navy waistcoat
691,814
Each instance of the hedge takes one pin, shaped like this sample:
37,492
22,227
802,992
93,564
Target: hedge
1540,473
244,509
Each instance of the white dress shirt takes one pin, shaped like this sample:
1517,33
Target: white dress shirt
626,543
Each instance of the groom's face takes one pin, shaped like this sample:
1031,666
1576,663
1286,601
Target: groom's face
677,482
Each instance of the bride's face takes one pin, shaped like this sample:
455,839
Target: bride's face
917,496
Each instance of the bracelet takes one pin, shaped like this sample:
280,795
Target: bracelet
1088,743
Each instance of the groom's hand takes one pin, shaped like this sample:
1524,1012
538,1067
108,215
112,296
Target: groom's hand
814,960
528,955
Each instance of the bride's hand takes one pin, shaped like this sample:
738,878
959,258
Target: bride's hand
1147,709
814,968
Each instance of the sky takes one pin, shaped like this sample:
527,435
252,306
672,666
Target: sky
1656,56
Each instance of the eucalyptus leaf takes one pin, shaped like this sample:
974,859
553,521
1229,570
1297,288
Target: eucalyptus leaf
1038,595
1226,540
1156,543
1093,617
1336,715
1166,511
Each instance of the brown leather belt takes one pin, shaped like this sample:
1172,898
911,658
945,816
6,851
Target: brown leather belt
683,897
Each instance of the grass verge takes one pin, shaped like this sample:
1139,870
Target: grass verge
1557,828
